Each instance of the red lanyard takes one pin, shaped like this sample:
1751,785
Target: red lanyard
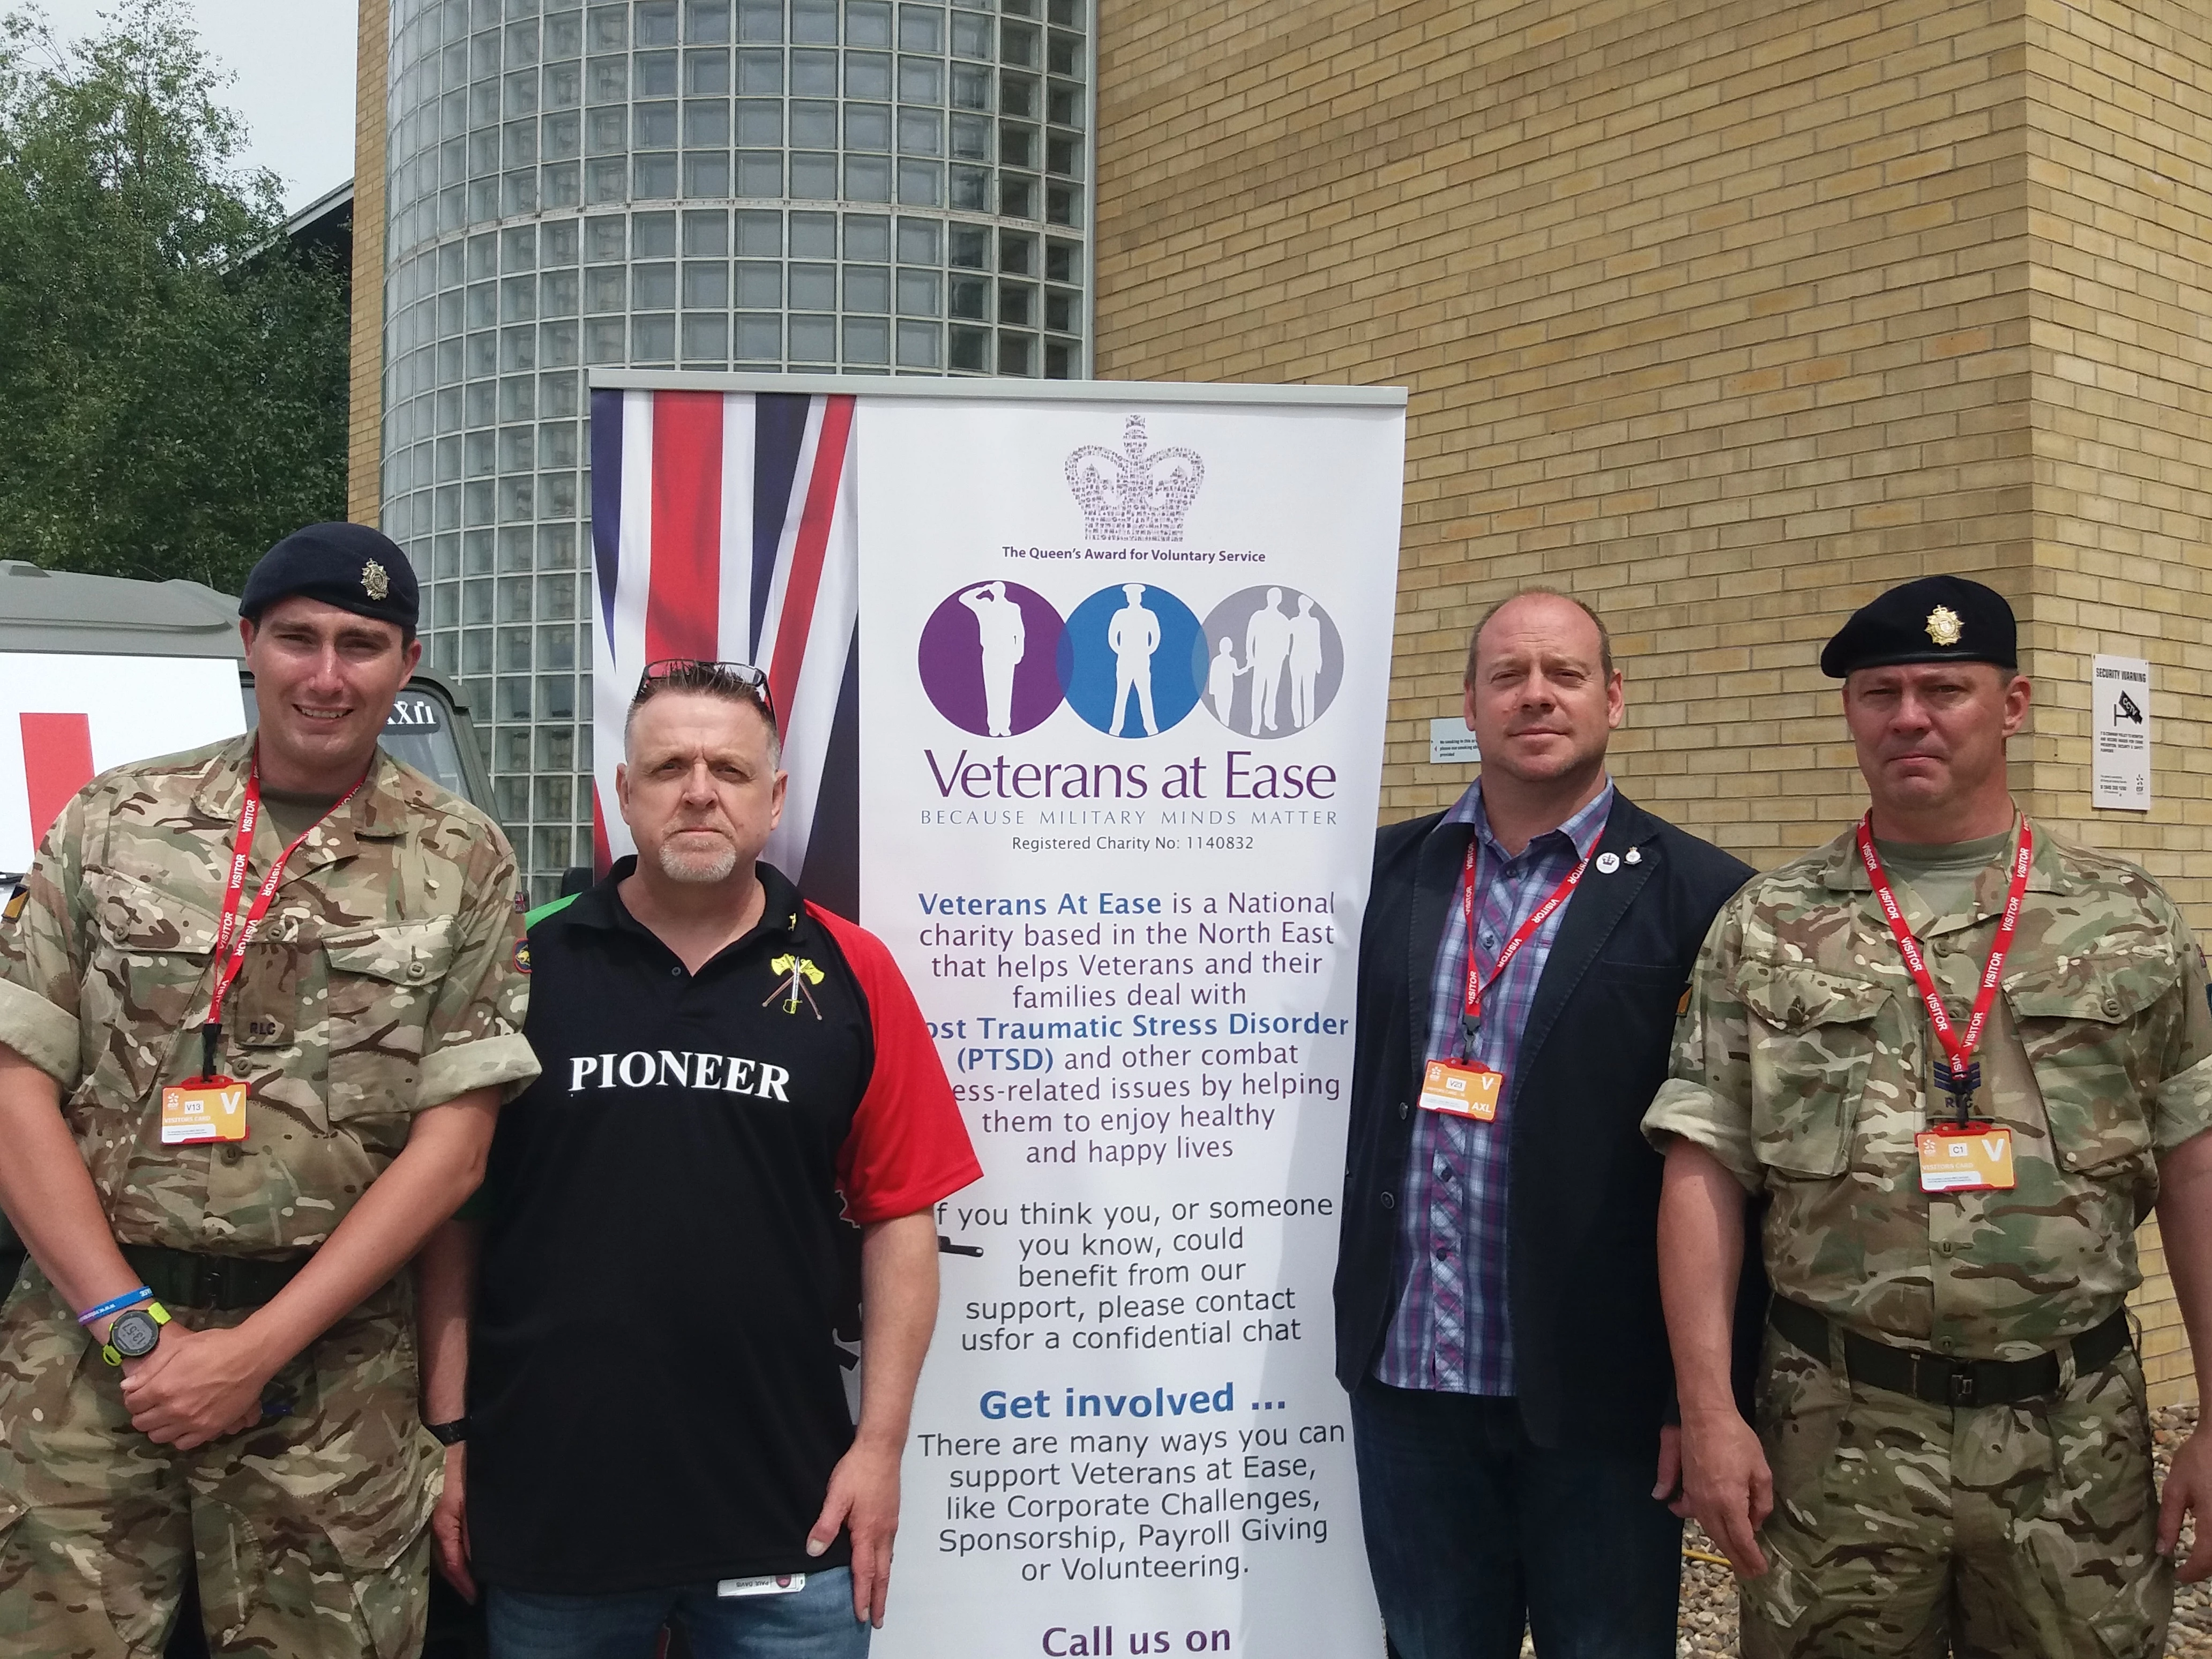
1962,1076
1478,983
231,935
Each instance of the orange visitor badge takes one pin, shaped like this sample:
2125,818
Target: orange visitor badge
1974,1157
1462,1090
211,1108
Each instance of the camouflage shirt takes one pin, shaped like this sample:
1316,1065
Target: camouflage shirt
1804,1062
382,980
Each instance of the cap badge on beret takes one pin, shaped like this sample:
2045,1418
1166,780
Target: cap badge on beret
348,566
1932,619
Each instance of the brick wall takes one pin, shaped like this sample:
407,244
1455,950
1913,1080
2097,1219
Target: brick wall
2118,135
365,403
1723,315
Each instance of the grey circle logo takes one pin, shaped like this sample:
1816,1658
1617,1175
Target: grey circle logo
1269,661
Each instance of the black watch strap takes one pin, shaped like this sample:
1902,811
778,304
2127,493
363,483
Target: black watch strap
450,1434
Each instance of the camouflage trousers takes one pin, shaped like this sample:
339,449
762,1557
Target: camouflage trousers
1901,1528
309,1530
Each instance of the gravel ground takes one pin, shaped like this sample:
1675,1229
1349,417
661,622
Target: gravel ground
1708,1618
1706,1624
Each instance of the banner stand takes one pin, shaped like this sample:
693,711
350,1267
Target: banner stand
1084,686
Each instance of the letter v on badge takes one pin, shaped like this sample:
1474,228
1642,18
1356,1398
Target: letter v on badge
1974,1158
209,1111
1462,1090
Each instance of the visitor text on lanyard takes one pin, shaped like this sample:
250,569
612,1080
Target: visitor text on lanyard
1960,1155
1466,1088
211,1106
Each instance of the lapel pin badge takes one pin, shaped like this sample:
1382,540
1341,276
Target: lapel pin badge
1634,856
1607,863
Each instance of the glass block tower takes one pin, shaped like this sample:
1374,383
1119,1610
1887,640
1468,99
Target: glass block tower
850,186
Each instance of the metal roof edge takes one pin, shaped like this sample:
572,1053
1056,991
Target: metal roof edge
1002,390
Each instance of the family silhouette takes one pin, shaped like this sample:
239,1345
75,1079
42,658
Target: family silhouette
1276,644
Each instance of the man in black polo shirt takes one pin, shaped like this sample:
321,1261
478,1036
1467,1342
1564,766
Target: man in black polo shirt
734,1080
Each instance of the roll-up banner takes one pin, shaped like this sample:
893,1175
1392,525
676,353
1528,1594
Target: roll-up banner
1083,688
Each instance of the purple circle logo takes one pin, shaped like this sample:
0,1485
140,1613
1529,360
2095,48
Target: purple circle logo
990,659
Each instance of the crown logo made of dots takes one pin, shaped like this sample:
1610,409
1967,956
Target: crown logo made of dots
1135,496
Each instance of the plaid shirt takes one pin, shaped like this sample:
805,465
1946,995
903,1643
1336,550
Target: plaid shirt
1450,1331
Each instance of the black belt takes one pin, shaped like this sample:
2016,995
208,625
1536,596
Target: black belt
1941,1381
224,1284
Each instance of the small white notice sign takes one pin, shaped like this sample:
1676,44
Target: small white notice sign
1451,744
2120,733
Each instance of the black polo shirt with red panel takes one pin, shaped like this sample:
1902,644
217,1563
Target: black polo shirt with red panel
656,1387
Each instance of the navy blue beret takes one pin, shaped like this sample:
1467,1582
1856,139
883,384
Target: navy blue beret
348,565
1936,619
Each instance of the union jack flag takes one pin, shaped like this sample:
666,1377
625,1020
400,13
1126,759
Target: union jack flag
723,528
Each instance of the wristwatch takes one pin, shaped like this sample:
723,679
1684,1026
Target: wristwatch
133,1335
450,1434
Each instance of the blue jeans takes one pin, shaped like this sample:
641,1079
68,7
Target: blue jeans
814,1623
1472,1529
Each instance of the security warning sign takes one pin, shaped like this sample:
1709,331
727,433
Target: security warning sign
2119,759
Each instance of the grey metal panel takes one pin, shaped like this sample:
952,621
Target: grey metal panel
1003,391
66,611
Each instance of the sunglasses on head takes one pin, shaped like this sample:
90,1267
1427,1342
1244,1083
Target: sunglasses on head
740,679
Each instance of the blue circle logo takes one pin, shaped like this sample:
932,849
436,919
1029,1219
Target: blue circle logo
1127,661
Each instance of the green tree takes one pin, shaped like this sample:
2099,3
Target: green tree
173,374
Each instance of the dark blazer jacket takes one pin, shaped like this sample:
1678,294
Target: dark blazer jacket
1589,1342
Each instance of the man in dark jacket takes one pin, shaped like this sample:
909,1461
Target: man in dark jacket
1498,1323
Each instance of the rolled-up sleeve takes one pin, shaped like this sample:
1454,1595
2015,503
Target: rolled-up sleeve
41,958
474,1036
2183,1109
1707,1098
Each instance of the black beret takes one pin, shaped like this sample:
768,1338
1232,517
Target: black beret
348,565
1936,619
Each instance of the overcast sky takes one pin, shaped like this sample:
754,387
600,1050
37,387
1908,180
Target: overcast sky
292,61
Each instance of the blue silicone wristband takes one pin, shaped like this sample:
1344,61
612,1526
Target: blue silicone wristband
116,1305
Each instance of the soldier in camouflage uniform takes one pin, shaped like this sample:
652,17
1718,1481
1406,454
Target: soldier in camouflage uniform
1951,1446
272,1429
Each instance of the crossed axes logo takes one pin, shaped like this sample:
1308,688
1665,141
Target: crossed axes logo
801,973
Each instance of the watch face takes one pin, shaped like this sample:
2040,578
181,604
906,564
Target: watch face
134,1334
